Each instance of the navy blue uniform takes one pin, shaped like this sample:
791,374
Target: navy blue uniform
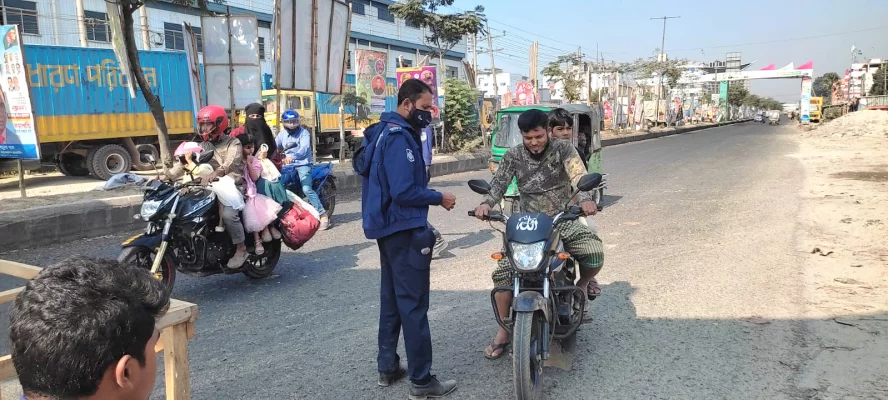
395,207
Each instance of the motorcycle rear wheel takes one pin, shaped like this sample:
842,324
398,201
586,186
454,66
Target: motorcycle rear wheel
143,257
527,355
327,193
260,267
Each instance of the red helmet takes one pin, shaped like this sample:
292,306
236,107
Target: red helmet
216,120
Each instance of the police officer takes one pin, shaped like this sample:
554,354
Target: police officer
395,208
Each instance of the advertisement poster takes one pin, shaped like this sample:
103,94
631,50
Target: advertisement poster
232,60
370,79
18,136
805,111
524,94
427,74
723,100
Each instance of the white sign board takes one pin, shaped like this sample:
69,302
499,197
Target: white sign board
313,44
231,60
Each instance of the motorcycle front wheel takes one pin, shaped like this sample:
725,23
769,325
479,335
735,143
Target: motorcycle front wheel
327,193
143,257
527,355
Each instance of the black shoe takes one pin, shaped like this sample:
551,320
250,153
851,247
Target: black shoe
432,390
387,379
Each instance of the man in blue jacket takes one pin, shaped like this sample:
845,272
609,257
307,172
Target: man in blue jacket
294,142
428,142
395,208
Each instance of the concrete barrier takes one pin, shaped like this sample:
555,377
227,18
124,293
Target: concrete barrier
22,229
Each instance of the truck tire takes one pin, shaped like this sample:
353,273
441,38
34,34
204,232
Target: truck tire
142,165
72,164
109,160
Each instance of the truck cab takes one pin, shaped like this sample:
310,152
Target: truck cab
816,111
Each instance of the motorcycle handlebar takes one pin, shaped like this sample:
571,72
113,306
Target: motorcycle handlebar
491,216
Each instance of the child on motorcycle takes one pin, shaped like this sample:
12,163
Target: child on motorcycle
260,211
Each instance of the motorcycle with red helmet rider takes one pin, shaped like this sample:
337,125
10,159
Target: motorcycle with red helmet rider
182,217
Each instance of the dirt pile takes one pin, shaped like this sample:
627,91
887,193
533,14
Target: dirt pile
862,123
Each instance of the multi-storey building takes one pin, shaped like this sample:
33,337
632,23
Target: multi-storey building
158,26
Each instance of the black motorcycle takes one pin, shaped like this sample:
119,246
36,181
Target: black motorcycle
181,234
547,304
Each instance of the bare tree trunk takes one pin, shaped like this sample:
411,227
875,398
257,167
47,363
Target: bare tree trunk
154,105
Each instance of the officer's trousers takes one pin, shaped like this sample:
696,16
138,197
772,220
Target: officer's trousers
404,301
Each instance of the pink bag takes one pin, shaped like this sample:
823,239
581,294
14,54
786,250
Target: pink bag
298,226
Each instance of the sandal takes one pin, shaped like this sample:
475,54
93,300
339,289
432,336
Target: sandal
494,347
593,290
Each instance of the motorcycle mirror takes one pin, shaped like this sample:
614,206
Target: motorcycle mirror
479,186
589,182
150,158
204,156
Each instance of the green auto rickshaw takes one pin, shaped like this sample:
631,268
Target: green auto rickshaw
586,132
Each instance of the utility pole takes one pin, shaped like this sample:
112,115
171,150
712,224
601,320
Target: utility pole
475,57
535,69
662,59
492,63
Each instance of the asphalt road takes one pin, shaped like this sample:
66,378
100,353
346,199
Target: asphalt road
701,289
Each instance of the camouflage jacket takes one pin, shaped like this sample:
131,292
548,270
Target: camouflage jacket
545,182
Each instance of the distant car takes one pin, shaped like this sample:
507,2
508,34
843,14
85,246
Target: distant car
757,117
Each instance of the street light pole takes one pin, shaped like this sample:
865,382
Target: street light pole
662,59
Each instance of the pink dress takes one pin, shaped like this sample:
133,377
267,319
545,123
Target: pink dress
259,210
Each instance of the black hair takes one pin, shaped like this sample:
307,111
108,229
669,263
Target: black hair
560,117
412,89
246,139
532,119
79,317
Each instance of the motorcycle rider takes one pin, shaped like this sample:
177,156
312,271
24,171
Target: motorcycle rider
228,160
295,144
546,170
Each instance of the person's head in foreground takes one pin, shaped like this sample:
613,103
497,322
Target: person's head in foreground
85,329
534,126
415,103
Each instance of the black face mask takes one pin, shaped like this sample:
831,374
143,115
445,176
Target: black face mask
420,119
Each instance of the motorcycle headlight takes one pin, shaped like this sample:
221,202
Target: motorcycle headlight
527,257
149,208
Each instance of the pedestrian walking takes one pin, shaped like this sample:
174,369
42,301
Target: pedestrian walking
395,207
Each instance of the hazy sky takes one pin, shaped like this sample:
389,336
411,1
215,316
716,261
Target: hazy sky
706,31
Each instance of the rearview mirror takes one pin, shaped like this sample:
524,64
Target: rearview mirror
479,186
150,158
589,182
204,156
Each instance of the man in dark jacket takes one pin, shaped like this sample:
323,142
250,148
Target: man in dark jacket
395,208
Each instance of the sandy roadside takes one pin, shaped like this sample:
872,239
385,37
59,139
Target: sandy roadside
843,244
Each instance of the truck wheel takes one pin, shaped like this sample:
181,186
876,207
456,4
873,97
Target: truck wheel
142,164
109,160
335,153
72,164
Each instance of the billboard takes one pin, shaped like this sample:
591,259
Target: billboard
231,60
427,74
805,112
18,137
312,54
524,95
370,79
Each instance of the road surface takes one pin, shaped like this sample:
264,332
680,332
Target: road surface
701,289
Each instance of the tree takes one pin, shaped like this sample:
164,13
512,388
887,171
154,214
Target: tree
127,8
736,94
461,116
567,70
823,86
445,30
880,80
354,104
645,68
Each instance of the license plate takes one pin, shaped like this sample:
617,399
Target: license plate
130,240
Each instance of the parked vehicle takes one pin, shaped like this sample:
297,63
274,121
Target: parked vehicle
816,112
86,120
506,134
320,114
547,304
181,234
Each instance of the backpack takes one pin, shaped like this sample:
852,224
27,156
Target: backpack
362,158
298,225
